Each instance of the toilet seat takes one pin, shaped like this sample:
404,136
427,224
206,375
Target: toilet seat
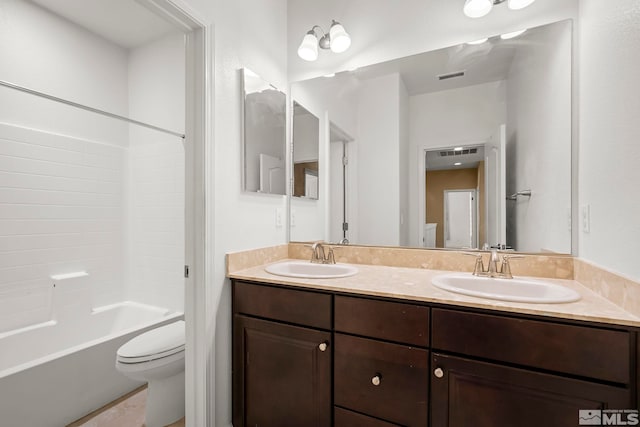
156,344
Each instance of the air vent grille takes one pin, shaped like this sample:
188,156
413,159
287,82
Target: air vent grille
458,152
451,75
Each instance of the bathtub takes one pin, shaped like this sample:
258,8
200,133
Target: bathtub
55,372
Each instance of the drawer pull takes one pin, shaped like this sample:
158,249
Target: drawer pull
323,346
376,380
439,373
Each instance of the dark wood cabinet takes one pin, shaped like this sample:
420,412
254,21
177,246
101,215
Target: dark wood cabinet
385,380
473,393
315,358
282,375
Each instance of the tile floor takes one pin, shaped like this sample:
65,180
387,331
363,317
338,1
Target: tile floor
127,411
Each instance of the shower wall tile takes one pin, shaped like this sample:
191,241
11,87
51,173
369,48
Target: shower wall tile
61,210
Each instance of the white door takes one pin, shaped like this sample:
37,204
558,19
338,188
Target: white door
496,186
460,219
272,178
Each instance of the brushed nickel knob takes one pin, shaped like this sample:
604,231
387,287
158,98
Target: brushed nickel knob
376,380
323,346
439,373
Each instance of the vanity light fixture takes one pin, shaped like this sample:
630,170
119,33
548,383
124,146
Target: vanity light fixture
337,39
479,8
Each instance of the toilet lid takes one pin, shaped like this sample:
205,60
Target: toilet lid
156,343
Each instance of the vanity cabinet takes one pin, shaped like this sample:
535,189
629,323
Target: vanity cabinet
281,371
317,358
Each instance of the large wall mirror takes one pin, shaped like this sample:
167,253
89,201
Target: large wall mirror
463,147
264,136
306,151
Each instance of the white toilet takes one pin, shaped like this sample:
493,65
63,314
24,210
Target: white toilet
157,357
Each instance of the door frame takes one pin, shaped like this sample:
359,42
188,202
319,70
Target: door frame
199,192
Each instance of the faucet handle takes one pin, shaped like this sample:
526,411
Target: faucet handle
505,268
478,268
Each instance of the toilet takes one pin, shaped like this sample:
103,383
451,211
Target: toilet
157,357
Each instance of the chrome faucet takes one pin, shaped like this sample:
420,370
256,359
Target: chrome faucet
503,270
318,254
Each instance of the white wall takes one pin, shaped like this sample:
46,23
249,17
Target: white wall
609,128
306,134
46,53
442,119
156,175
382,29
379,161
538,152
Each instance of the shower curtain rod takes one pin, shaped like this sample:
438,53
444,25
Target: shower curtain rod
87,108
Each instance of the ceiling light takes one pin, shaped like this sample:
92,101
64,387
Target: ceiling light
329,75
479,41
337,39
457,164
458,149
479,8
514,34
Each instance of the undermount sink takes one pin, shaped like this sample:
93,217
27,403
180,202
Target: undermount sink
308,270
517,290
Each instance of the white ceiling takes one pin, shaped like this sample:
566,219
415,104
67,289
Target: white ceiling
123,22
435,161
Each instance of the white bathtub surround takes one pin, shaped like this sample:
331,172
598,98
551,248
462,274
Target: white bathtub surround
58,364
157,357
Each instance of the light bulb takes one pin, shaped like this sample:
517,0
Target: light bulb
340,40
514,34
479,41
308,49
477,8
519,4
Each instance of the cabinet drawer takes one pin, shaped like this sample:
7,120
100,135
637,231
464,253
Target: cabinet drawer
287,305
578,350
406,323
402,393
344,418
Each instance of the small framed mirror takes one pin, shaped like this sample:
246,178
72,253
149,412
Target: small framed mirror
306,150
264,135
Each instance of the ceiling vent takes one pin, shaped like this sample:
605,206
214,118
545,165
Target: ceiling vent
458,152
451,75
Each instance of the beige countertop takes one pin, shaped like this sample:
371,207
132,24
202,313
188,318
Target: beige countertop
414,284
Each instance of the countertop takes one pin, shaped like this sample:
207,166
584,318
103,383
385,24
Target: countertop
414,284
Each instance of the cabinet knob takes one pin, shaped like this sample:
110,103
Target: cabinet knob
322,346
376,380
439,373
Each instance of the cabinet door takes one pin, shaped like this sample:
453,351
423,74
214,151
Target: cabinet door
281,375
471,393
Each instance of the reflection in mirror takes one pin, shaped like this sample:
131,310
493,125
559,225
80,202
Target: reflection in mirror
509,99
264,136
306,149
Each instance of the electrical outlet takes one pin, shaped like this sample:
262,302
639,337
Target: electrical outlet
585,216
293,217
278,217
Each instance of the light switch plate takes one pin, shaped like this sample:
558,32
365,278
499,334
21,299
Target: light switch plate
278,217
